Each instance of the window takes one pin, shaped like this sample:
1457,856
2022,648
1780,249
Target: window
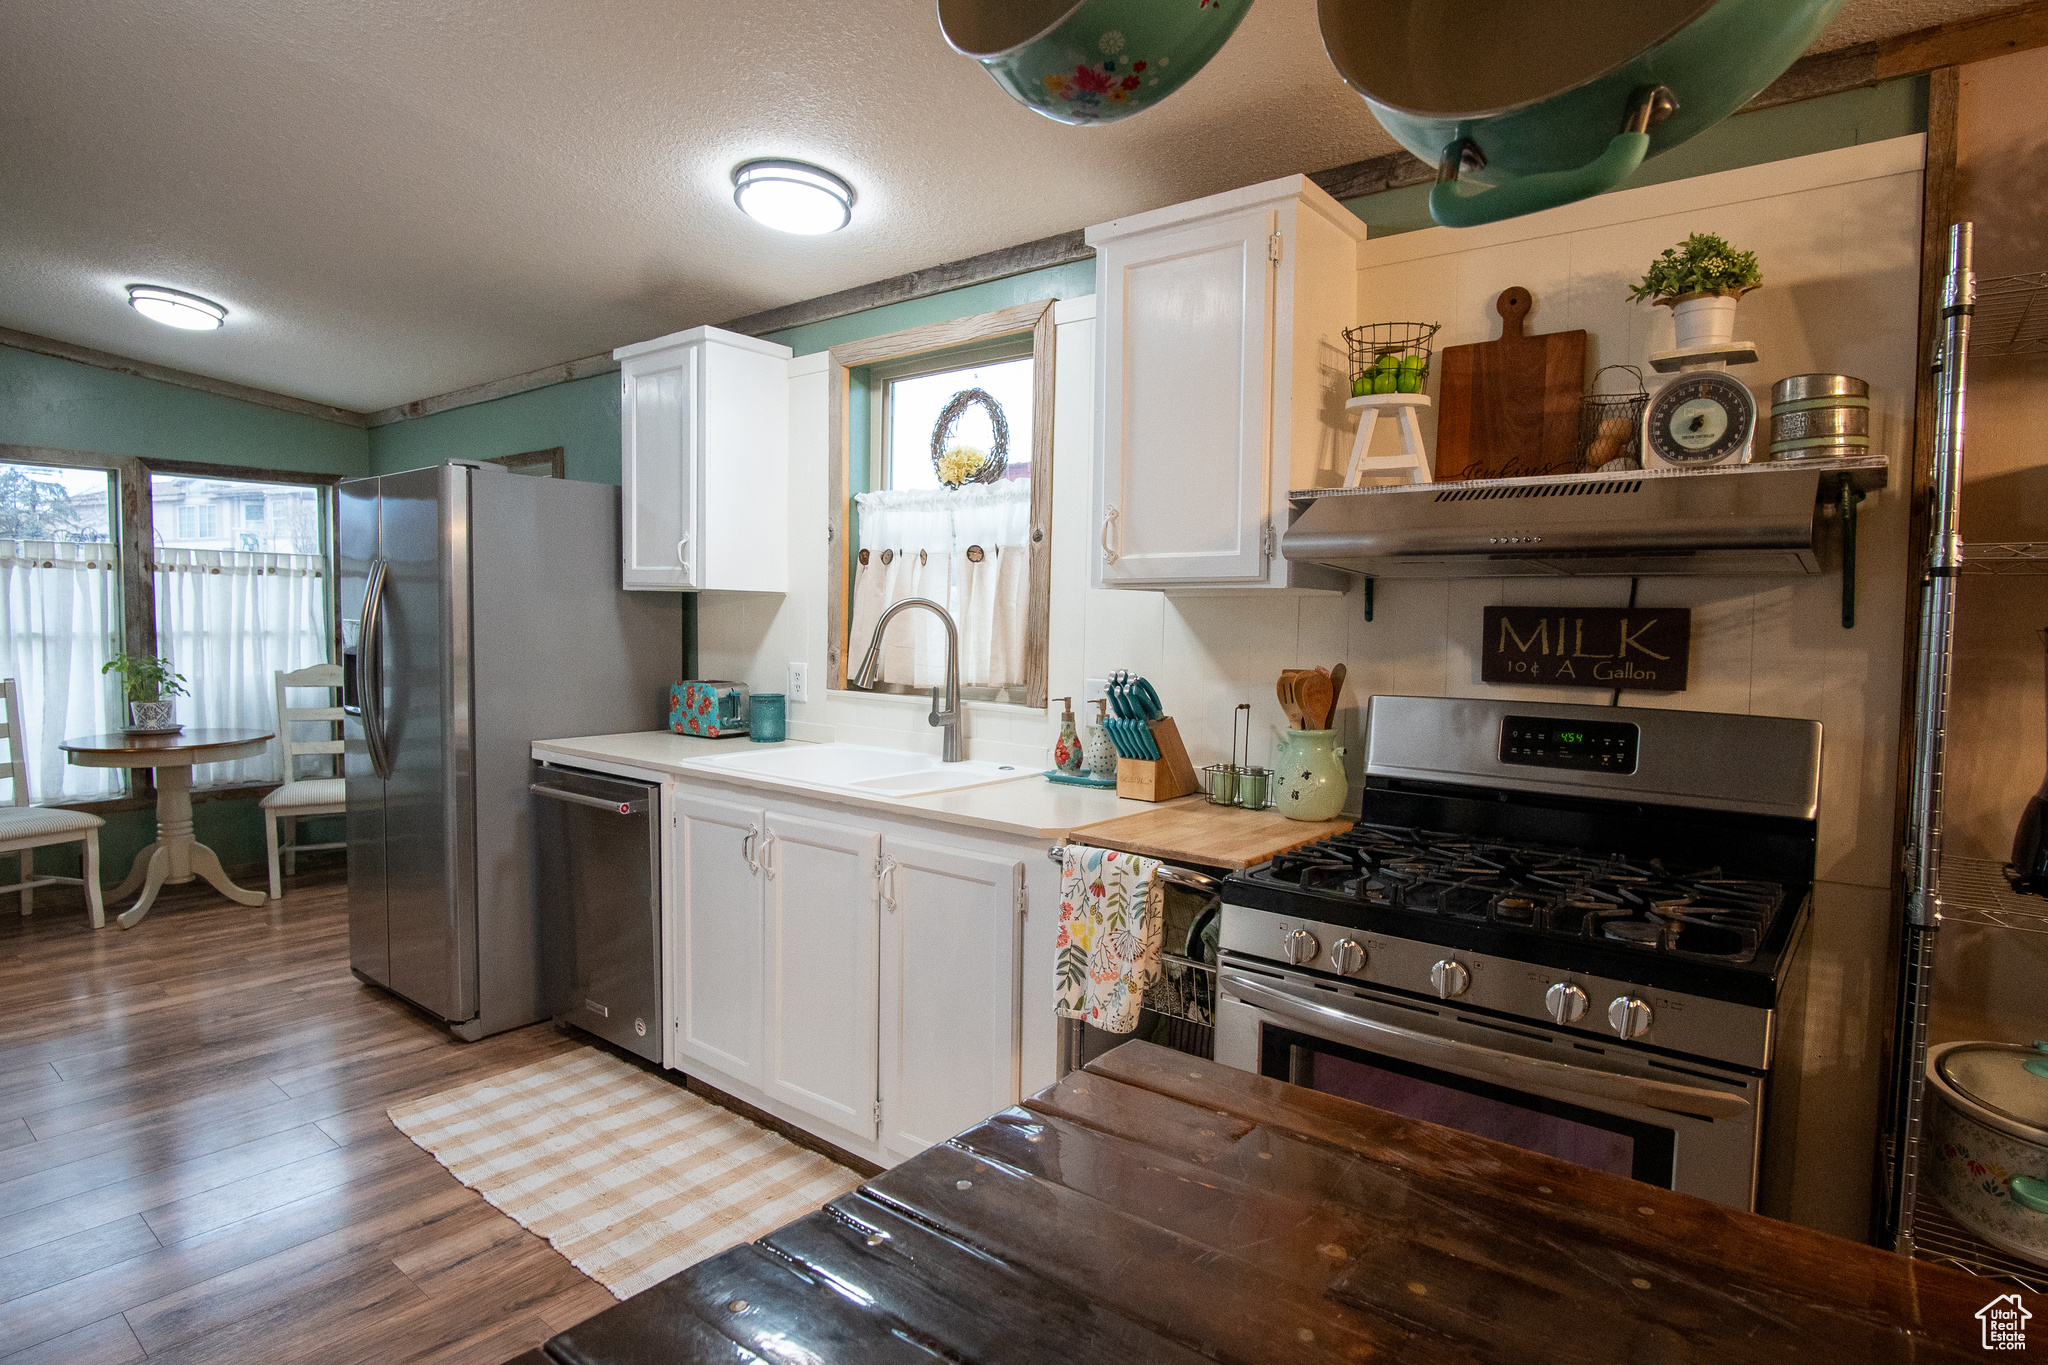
980,547
232,607
60,620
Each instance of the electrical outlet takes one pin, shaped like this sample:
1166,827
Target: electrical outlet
1095,689
799,688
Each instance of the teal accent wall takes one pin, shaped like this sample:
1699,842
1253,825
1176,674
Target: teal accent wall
1894,109
1074,280
45,401
581,416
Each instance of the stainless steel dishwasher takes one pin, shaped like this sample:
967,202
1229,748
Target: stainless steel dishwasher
598,854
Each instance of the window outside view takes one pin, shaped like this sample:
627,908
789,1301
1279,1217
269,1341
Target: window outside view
229,514
915,405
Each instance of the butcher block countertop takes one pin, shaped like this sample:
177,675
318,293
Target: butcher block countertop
1191,830
1156,1207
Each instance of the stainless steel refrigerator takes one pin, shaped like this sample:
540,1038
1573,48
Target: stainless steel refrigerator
481,611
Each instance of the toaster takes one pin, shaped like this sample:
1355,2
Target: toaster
708,708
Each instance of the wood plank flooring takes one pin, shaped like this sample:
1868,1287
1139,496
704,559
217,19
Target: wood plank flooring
195,1163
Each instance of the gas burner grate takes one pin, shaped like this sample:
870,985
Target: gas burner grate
1699,913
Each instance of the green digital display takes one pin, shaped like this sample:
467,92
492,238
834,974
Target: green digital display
1595,746
1571,736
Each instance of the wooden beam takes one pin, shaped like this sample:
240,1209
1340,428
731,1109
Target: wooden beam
545,377
1374,175
164,374
939,279
1962,41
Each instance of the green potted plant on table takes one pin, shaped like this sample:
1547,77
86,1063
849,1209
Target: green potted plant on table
1700,280
150,685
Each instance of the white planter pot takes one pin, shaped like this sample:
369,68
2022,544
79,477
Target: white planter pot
1705,320
152,715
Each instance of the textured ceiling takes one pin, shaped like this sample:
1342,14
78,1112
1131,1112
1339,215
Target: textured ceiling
397,198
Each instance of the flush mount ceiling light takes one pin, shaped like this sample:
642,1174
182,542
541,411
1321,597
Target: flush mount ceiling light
793,196
175,308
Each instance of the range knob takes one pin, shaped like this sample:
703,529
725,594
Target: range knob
1347,955
1450,978
1566,1002
1629,1016
1300,946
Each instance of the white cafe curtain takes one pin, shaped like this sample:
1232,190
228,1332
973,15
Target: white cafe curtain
922,543
228,621
60,616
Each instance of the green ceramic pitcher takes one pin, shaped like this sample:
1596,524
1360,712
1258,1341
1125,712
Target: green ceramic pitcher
1094,61
1308,775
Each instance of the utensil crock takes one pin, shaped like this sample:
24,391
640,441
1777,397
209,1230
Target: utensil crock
1308,775
1095,61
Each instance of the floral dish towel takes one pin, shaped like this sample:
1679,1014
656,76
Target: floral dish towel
1111,932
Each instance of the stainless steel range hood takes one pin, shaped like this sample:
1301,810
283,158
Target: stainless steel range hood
1748,519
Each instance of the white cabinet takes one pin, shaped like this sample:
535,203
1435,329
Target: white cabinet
949,991
820,1050
714,915
704,463
1219,366
847,973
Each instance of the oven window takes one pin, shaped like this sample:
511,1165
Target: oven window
1569,1132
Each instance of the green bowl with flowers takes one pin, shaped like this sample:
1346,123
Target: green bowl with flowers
1092,62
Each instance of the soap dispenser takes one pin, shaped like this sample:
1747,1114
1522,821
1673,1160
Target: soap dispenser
1066,751
1097,747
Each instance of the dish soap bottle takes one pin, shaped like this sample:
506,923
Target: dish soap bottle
1066,750
1096,747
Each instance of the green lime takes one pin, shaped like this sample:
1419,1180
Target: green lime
1387,362
1384,381
1361,386
1409,379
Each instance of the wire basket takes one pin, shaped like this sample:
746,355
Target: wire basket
1611,424
1406,344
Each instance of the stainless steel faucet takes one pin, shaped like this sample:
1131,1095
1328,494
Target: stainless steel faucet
950,717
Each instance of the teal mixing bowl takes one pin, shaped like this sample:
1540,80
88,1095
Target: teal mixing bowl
1092,62
1556,100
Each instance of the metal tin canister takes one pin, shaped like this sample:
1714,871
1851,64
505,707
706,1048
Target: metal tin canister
1819,416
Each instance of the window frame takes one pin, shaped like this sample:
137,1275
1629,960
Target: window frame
883,377
135,537
1025,319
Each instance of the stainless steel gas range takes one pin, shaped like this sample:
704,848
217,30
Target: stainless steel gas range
1571,928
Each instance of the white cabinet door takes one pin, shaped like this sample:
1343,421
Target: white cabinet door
658,469
715,920
820,1044
1186,376
950,1043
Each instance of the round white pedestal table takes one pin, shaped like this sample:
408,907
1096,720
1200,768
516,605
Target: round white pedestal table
176,856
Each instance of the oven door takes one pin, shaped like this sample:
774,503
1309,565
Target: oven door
1682,1125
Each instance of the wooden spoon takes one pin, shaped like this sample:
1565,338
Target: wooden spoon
1285,690
1313,695
1336,695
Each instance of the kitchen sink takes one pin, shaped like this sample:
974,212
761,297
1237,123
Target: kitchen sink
864,768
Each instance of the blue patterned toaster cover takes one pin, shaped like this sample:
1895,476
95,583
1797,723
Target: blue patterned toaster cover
708,709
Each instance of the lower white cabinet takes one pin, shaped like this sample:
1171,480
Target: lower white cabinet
948,990
819,880
853,975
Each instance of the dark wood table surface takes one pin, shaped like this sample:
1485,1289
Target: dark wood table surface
1156,1207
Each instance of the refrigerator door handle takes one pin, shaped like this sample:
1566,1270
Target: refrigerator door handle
371,652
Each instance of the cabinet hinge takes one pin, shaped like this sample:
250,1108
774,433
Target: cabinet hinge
1023,901
1273,247
1266,540
878,1113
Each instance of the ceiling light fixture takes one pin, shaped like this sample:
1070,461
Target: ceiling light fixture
793,196
175,308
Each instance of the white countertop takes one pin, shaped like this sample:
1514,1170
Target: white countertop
1030,807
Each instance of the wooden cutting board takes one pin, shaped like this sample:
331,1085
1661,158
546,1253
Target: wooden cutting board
1193,831
1510,408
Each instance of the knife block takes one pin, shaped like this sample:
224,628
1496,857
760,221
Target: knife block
1170,776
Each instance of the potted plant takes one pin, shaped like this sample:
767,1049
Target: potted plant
1700,280
150,685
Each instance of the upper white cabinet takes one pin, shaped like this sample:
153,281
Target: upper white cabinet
1219,372
704,451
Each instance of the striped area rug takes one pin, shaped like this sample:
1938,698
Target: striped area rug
629,1176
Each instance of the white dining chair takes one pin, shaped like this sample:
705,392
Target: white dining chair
299,797
25,828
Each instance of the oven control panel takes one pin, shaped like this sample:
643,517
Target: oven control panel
1604,746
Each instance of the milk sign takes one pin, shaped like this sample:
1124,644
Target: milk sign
1643,649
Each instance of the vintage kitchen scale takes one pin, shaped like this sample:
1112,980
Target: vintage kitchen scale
1704,416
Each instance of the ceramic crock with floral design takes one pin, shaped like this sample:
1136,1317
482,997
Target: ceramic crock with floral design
1987,1141
1094,61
